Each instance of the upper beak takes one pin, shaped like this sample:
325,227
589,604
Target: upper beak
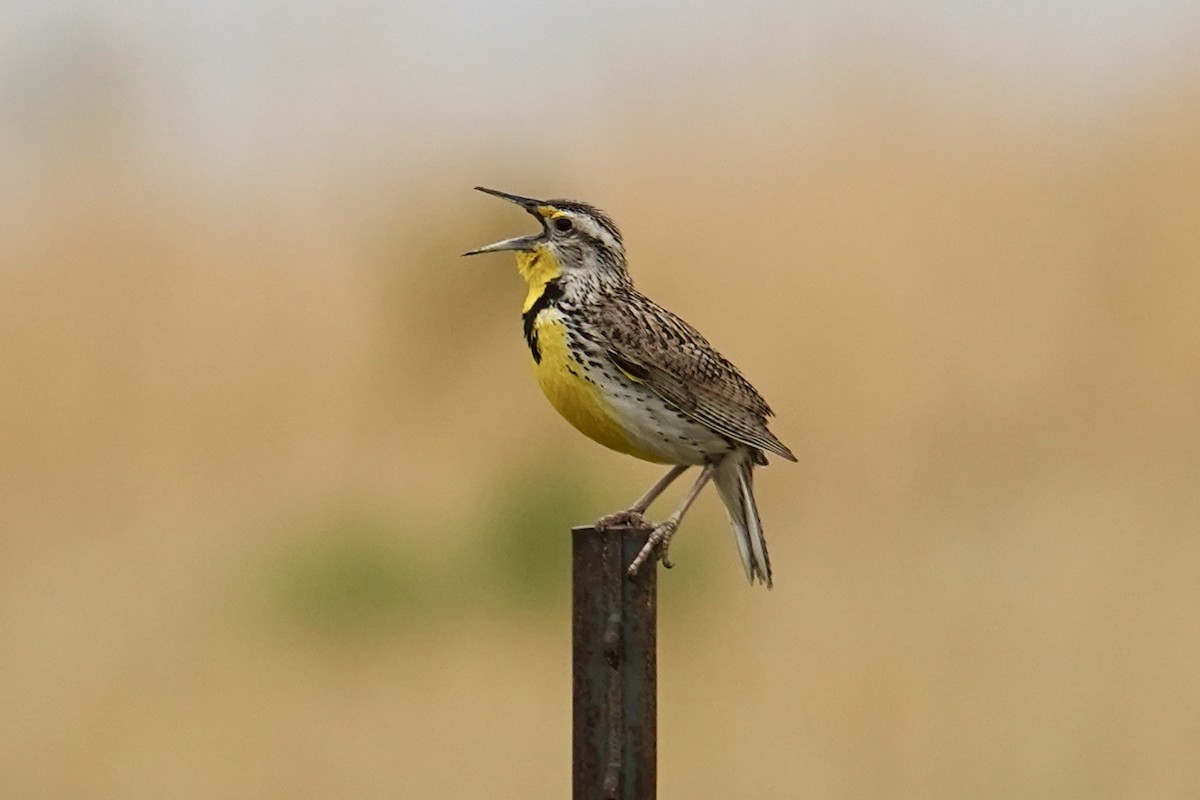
519,242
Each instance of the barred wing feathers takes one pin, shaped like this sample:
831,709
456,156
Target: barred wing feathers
676,362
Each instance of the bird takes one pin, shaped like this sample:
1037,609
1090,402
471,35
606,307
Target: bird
637,378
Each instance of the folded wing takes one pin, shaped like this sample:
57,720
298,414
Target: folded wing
672,359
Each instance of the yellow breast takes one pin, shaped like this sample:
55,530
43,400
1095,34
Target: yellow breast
580,401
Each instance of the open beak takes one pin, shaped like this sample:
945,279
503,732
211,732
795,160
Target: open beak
519,242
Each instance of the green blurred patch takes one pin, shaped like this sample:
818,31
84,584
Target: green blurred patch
529,550
352,575
528,554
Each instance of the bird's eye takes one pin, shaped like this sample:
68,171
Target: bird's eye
563,224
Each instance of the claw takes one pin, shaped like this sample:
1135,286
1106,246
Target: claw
660,540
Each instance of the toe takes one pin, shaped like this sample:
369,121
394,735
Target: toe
621,519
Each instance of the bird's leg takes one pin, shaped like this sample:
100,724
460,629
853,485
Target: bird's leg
660,537
632,517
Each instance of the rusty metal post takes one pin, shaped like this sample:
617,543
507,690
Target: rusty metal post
614,642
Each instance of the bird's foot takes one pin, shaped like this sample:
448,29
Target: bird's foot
631,518
660,541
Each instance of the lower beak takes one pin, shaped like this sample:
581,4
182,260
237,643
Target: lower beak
519,242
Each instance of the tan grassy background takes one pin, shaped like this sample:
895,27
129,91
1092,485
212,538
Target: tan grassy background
284,515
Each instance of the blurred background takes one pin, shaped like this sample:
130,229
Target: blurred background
283,513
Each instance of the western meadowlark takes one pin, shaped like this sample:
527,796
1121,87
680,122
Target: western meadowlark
636,378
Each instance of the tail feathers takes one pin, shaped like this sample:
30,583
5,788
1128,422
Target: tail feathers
734,479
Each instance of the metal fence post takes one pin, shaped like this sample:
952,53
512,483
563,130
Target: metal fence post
614,665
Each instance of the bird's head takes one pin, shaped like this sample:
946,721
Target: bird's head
576,239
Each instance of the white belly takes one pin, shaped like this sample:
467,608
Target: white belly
657,427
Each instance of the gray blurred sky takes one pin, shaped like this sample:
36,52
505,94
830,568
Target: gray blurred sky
227,80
